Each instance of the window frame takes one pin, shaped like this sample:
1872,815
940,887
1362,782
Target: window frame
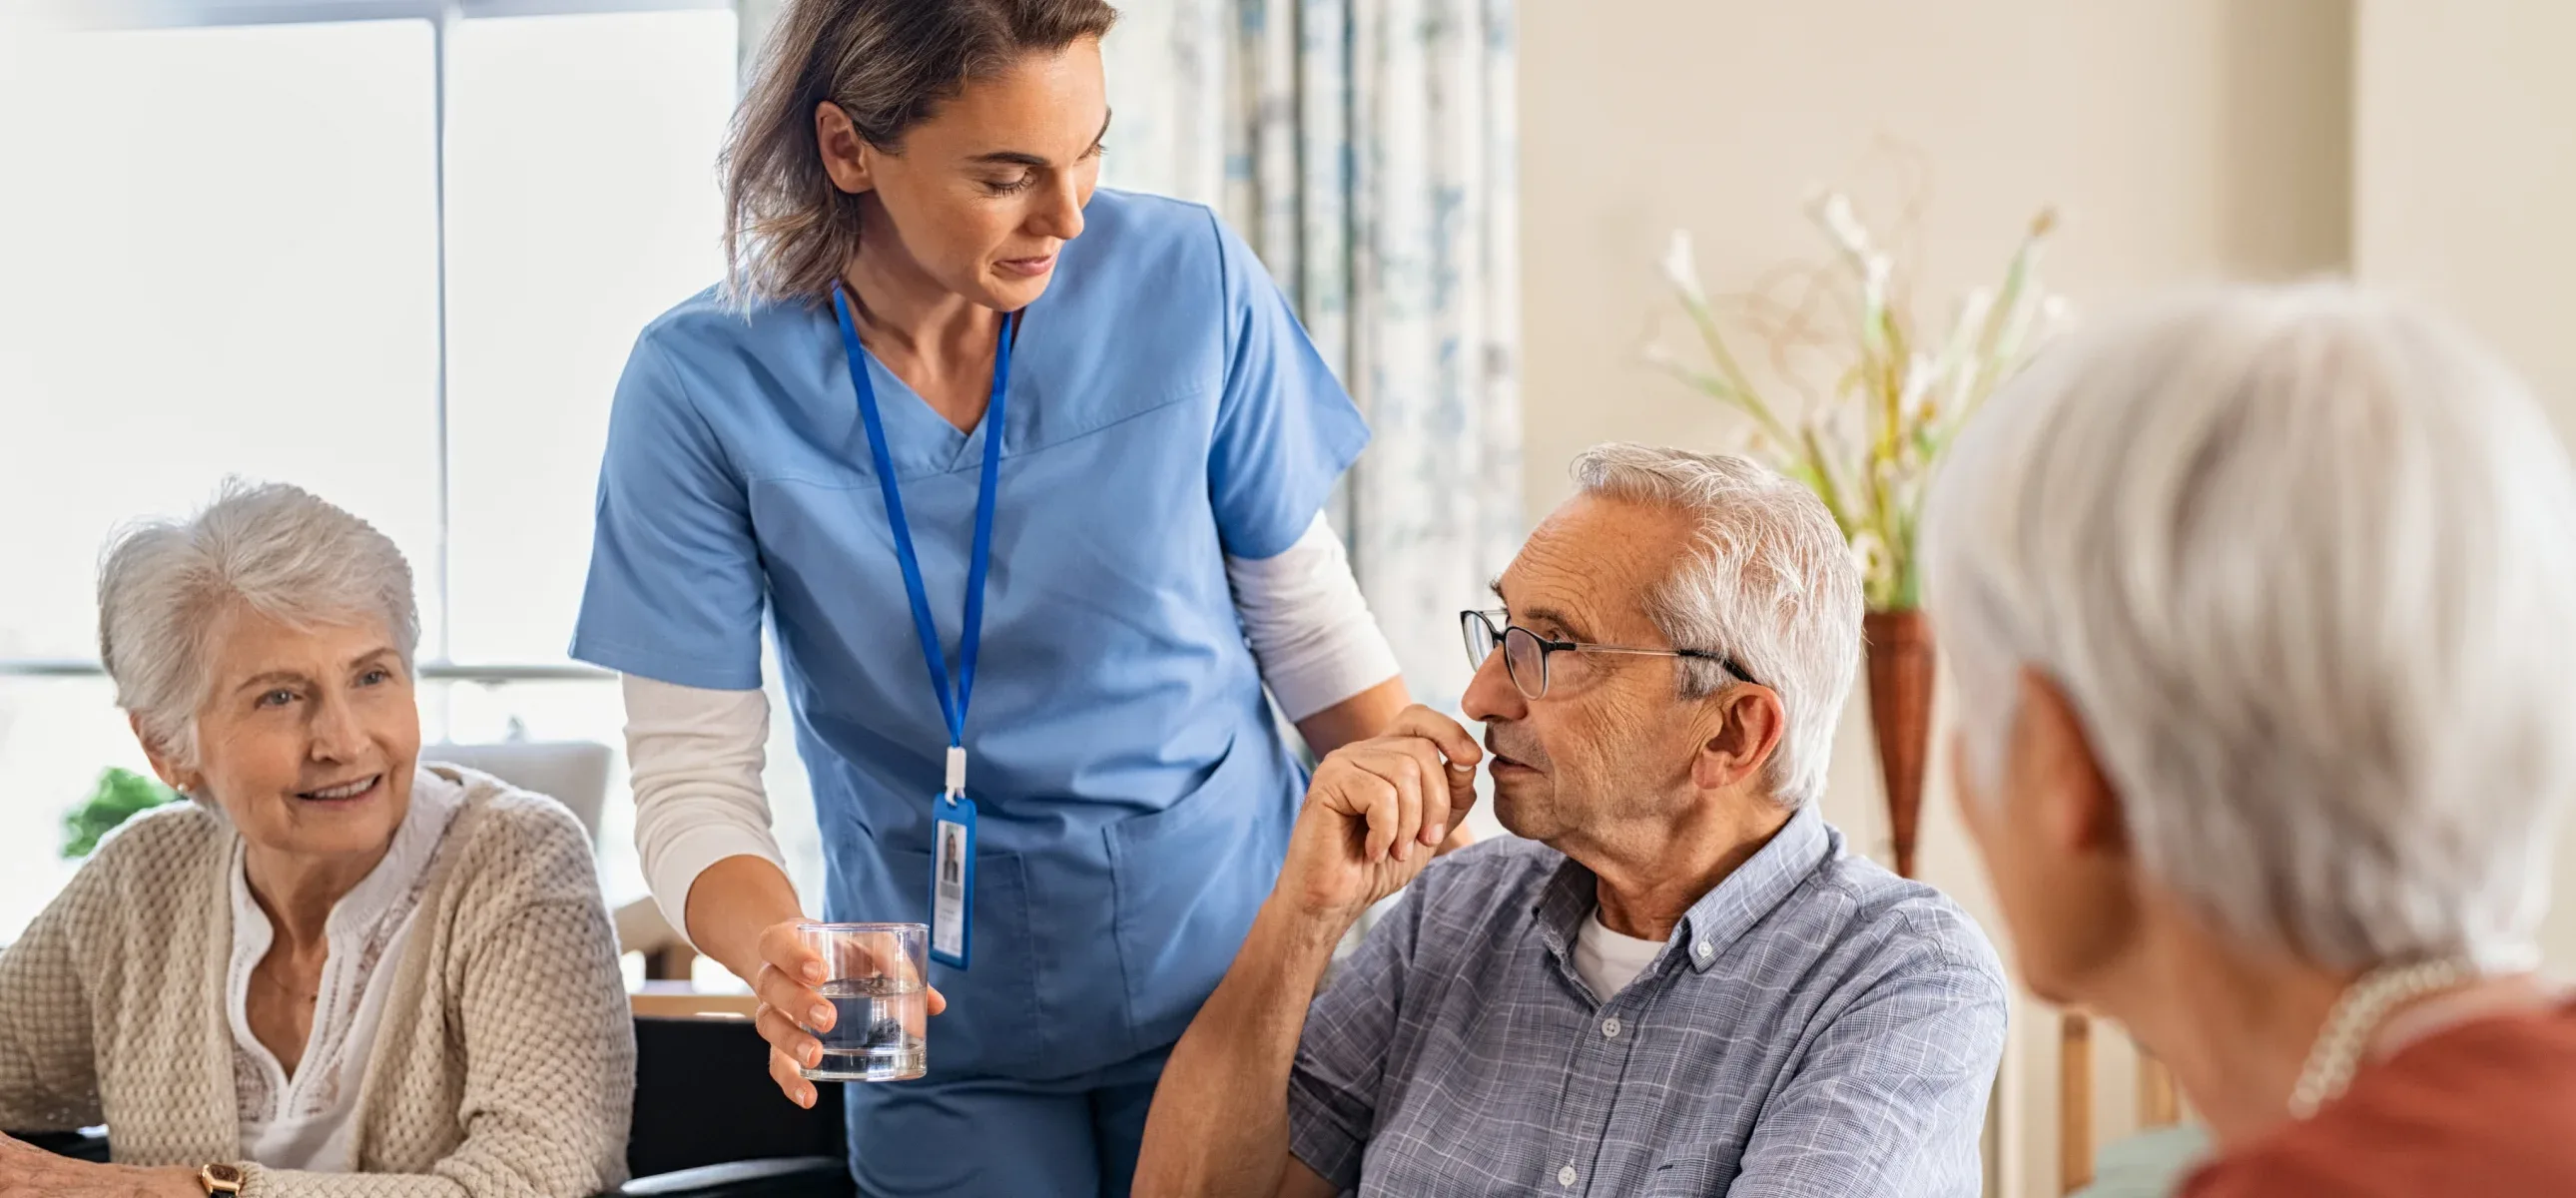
443,16
180,14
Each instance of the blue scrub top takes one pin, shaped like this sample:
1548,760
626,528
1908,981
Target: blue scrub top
1166,409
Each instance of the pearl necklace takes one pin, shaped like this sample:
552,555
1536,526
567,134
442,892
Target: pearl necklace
2345,1038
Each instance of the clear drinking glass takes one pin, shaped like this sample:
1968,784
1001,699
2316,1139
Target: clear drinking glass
879,989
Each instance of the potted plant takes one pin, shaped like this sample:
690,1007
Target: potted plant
121,795
1878,400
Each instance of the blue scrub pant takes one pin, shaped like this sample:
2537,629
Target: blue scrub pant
1001,1138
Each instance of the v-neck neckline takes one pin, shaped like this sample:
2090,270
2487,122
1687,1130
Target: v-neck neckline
958,448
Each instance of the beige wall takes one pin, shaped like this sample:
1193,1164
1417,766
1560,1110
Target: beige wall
2465,195
2465,171
2179,139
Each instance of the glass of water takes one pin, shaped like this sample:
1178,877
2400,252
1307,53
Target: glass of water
879,987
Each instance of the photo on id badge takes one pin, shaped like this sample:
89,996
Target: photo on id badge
948,922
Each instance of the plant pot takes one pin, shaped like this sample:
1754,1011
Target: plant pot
1899,656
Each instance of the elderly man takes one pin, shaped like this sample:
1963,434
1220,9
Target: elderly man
1680,983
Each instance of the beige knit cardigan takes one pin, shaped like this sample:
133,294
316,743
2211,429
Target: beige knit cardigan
504,1068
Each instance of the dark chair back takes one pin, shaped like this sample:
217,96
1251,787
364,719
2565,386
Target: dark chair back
703,1096
79,1145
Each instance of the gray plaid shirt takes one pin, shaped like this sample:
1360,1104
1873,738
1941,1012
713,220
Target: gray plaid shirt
1816,1027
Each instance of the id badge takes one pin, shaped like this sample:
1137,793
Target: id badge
952,880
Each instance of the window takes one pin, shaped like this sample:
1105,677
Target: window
232,268
392,251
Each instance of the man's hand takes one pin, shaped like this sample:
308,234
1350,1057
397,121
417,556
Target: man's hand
1375,814
1377,809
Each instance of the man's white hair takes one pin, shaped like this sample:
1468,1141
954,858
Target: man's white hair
1769,582
272,548
2304,561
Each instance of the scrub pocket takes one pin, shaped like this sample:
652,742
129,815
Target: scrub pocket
995,1003
1188,880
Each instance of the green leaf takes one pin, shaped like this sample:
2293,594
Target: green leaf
121,795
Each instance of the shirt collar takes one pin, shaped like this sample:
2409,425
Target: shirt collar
1721,916
1562,904
1729,910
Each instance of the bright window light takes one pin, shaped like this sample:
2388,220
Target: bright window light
220,254
581,202
219,248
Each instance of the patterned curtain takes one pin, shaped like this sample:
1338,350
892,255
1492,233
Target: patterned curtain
1367,150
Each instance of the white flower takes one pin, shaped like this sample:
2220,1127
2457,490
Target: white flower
1875,273
1681,269
1959,366
1867,551
2055,313
1920,373
1972,320
1833,212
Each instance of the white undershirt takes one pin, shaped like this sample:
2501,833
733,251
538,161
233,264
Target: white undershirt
309,1121
1608,961
695,755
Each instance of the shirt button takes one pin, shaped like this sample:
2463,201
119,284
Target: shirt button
1610,1027
1565,1176
1701,950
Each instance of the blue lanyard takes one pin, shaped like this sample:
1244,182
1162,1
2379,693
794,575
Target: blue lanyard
954,692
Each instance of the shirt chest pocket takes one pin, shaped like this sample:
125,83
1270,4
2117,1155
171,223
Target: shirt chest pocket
1693,1174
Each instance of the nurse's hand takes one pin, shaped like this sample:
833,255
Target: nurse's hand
792,1010
1375,814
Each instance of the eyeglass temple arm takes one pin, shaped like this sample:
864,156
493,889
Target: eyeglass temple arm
1725,663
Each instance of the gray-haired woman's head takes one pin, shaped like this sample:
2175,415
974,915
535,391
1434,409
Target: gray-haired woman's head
271,548
2282,577
263,649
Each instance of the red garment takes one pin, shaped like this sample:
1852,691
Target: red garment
2484,1109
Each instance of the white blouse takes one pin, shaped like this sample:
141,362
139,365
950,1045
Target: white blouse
306,1121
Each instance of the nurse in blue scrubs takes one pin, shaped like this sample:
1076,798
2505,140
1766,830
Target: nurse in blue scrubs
1025,478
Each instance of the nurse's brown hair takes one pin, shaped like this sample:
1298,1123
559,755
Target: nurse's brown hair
888,64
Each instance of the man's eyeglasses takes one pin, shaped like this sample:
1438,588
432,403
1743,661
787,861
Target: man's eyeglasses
1525,653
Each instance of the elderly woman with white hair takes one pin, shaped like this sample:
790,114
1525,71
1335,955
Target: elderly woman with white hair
336,970
2258,603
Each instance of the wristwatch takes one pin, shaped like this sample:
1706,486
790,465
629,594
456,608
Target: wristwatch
220,1179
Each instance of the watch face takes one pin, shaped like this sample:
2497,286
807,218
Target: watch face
224,1174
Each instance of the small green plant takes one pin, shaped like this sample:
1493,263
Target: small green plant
121,795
